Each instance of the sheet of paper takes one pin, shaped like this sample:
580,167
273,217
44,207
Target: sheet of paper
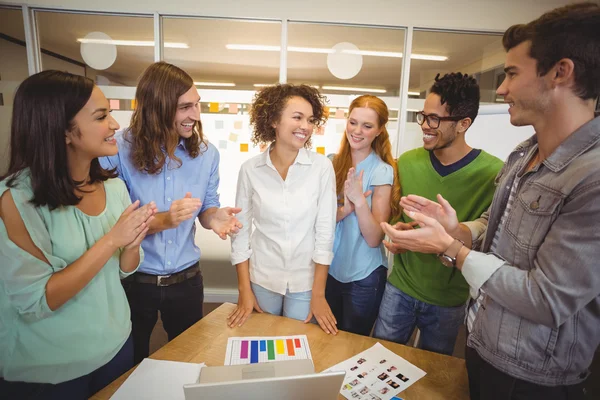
376,374
157,380
251,350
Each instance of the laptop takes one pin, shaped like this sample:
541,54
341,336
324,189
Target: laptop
290,380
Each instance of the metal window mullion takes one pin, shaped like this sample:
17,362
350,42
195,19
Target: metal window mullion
159,45
404,81
32,43
283,53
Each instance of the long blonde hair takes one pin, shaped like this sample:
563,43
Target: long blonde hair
342,161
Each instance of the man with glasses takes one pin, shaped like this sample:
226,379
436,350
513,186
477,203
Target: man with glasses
421,291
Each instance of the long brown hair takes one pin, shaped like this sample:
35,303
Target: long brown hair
44,110
152,131
342,161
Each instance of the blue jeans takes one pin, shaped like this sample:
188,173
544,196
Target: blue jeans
355,304
76,389
399,313
291,305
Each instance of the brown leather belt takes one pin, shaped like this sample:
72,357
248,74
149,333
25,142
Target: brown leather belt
165,280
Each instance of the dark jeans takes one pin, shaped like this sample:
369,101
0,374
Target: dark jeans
400,313
75,389
180,307
355,304
489,383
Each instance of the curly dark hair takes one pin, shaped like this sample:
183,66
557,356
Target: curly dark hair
460,93
269,103
572,32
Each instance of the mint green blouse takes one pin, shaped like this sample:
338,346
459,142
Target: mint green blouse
41,345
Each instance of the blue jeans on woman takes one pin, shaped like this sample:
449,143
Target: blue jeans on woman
355,304
76,389
400,313
291,305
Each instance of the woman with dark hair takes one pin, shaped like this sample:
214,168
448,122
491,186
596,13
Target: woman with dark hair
288,194
68,233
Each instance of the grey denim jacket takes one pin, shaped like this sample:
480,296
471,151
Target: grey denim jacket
540,318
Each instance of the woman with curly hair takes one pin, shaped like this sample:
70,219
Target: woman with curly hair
287,194
368,193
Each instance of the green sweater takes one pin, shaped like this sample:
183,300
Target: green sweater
469,190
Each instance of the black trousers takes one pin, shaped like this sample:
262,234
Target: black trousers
489,383
180,307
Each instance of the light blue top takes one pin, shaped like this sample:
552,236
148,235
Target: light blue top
353,258
40,345
171,250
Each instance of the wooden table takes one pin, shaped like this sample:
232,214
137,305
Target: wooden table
206,341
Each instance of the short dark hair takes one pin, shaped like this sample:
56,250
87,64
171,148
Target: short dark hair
572,32
269,103
460,93
44,108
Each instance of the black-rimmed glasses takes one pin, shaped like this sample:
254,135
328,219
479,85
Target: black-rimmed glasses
433,120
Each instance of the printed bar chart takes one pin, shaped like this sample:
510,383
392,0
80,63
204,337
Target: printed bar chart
252,350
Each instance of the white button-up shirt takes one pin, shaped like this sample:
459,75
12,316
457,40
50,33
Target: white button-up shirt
289,224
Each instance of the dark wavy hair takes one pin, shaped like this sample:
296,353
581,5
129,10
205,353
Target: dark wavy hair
572,32
152,131
269,103
460,93
44,108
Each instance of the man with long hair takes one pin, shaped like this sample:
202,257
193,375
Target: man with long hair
421,292
163,157
533,256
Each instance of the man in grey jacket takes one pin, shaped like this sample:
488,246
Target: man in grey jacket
537,264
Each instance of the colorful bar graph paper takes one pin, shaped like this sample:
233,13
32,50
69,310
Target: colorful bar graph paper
254,352
251,350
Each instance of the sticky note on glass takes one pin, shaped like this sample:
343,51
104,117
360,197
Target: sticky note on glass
321,150
237,125
115,104
219,124
339,128
233,108
339,113
243,147
133,104
222,144
233,137
214,107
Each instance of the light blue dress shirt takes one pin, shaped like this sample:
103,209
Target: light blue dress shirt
171,250
353,258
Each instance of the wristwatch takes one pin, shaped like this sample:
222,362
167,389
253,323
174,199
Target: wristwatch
448,258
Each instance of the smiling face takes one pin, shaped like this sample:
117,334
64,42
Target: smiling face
525,92
188,113
296,124
362,127
445,134
94,129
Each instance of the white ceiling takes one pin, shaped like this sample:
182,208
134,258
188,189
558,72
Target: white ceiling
207,59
